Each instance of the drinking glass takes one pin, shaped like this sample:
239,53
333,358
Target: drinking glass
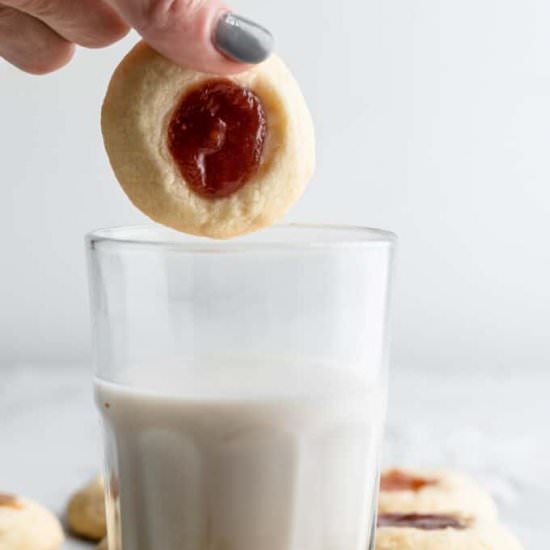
241,385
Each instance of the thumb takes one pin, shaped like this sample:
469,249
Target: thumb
200,34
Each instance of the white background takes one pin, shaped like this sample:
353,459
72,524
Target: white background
433,120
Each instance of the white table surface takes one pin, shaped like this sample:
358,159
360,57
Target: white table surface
492,425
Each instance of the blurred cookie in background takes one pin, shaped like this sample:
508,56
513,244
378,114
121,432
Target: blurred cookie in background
86,511
26,525
429,491
441,532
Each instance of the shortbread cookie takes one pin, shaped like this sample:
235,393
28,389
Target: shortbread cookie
208,155
424,491
441,532
26,525
86,511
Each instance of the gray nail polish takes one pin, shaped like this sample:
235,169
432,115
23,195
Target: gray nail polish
242,39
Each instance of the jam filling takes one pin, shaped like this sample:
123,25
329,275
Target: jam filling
396,480
9,501
427,522
216,137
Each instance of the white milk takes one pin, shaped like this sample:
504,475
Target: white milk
242,458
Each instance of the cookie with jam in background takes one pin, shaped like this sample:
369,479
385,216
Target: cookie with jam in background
26,525
441,532
427,491
203,154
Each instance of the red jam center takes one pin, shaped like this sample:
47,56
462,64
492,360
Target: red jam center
396,480
427,522
216,137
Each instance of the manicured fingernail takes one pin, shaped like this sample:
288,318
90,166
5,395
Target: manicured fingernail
243,40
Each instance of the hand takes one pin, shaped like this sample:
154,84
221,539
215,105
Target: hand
39,36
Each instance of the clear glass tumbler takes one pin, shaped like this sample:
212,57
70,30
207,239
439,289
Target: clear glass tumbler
242,386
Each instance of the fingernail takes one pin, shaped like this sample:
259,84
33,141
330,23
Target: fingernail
243,40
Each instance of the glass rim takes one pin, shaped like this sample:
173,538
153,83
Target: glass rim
155,236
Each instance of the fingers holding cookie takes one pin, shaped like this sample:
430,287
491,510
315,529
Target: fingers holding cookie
86,511
89,23
26,525
30,44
